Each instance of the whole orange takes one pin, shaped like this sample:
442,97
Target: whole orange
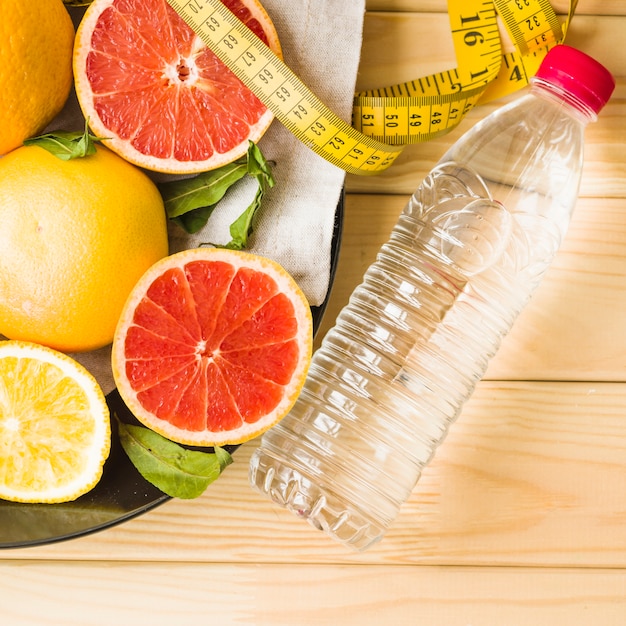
76,236
36,43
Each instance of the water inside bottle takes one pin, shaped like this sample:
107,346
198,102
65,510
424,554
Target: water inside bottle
404,355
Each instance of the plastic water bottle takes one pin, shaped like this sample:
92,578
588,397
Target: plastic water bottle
407,351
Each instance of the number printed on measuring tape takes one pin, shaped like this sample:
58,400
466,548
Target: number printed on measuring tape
386,119
531,24
293,104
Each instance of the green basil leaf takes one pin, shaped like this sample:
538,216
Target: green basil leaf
258,166
189,202
223,457
202,191
243,226
66,145
176,471
195,220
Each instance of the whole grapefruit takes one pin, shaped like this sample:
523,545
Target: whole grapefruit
76,235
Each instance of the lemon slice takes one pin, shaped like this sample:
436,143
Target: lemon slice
55,432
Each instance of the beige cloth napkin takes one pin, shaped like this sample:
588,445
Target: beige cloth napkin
321,41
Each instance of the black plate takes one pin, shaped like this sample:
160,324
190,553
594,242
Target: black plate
122,493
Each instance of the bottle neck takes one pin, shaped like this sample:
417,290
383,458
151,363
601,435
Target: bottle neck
575,107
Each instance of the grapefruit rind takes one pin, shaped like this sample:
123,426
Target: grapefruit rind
123,147
16,356
291,390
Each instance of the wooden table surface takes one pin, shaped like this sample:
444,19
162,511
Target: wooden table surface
521,516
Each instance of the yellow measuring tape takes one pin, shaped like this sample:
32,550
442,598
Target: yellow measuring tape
385,120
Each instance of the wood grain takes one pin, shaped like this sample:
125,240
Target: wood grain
561,7
187,594
573,327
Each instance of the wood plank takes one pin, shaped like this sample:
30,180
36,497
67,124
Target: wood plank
572,329
405,46
40,594
585,7
401,47
531,474
604,173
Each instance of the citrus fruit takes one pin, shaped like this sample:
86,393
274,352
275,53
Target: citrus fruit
55,433
213,346
144,79
36,40
76,235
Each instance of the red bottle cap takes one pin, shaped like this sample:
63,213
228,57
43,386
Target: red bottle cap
579,75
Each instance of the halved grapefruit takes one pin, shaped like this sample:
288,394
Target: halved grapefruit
213,346
145,81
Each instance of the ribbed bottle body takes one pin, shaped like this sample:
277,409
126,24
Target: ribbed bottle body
405,354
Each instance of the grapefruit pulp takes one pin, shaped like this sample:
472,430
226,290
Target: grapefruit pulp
147,82
213,346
